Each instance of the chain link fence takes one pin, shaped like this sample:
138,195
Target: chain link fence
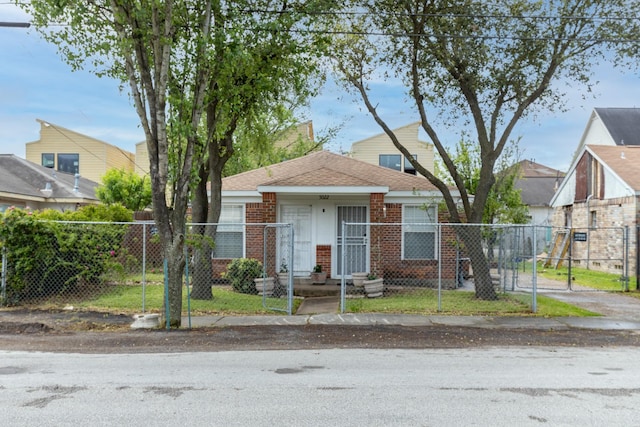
121,265
433,261
256,268
577,253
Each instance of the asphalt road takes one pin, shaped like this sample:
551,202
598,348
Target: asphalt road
489,386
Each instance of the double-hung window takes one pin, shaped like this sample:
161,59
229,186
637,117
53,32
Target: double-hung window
419,232
229,241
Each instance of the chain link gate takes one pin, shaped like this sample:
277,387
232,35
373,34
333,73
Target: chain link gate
276,286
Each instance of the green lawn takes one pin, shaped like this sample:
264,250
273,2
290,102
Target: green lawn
225,301
465,304
128,299
589,278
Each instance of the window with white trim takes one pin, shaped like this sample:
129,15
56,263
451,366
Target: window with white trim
419,232
229,241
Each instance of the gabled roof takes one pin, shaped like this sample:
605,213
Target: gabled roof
622,161
538,183
71,135
619,164
24,178
413,126
623,124
325,170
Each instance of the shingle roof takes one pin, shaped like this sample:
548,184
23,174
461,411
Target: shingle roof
623,124
22,177
325,169
538,183
624,161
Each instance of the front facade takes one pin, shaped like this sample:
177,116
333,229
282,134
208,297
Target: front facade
379,150
319,192
64,150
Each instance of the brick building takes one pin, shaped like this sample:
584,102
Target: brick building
319,192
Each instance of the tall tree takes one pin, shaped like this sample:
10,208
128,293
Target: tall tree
260,64
479,67
185,62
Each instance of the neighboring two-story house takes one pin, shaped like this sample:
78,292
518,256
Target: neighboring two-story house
379,150
600,196
71,152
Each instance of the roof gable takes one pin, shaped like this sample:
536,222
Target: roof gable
411,128
325,169
623,161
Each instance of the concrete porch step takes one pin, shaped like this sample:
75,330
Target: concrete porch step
309,290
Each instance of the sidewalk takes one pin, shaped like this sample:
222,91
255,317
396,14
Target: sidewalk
619,312
491,322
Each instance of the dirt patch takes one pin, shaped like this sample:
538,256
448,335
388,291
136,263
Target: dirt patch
96,332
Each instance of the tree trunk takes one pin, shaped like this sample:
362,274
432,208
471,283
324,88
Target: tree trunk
175,267
201,272
471,236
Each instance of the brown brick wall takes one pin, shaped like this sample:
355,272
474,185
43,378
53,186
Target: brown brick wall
323,257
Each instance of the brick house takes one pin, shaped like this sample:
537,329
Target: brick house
317,193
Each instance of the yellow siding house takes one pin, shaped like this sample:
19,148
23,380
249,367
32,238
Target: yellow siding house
379,150
67,151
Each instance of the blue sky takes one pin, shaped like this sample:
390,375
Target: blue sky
36,84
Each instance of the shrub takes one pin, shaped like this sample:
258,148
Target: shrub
241,272
48,258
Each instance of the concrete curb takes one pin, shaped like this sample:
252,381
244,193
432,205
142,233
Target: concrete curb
369,319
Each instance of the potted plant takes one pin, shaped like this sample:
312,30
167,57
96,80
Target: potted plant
373,286
318,277
283,274
358,278
265,285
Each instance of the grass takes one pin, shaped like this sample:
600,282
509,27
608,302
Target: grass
588,278
128,299
465,304
225,301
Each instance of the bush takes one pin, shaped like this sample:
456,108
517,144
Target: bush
48,258
241,272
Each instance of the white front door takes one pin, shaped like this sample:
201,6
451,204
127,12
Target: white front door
300,217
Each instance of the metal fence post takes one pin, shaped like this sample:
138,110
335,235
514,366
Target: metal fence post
343,291
144,264
4,274
534,277
626,258
439,240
